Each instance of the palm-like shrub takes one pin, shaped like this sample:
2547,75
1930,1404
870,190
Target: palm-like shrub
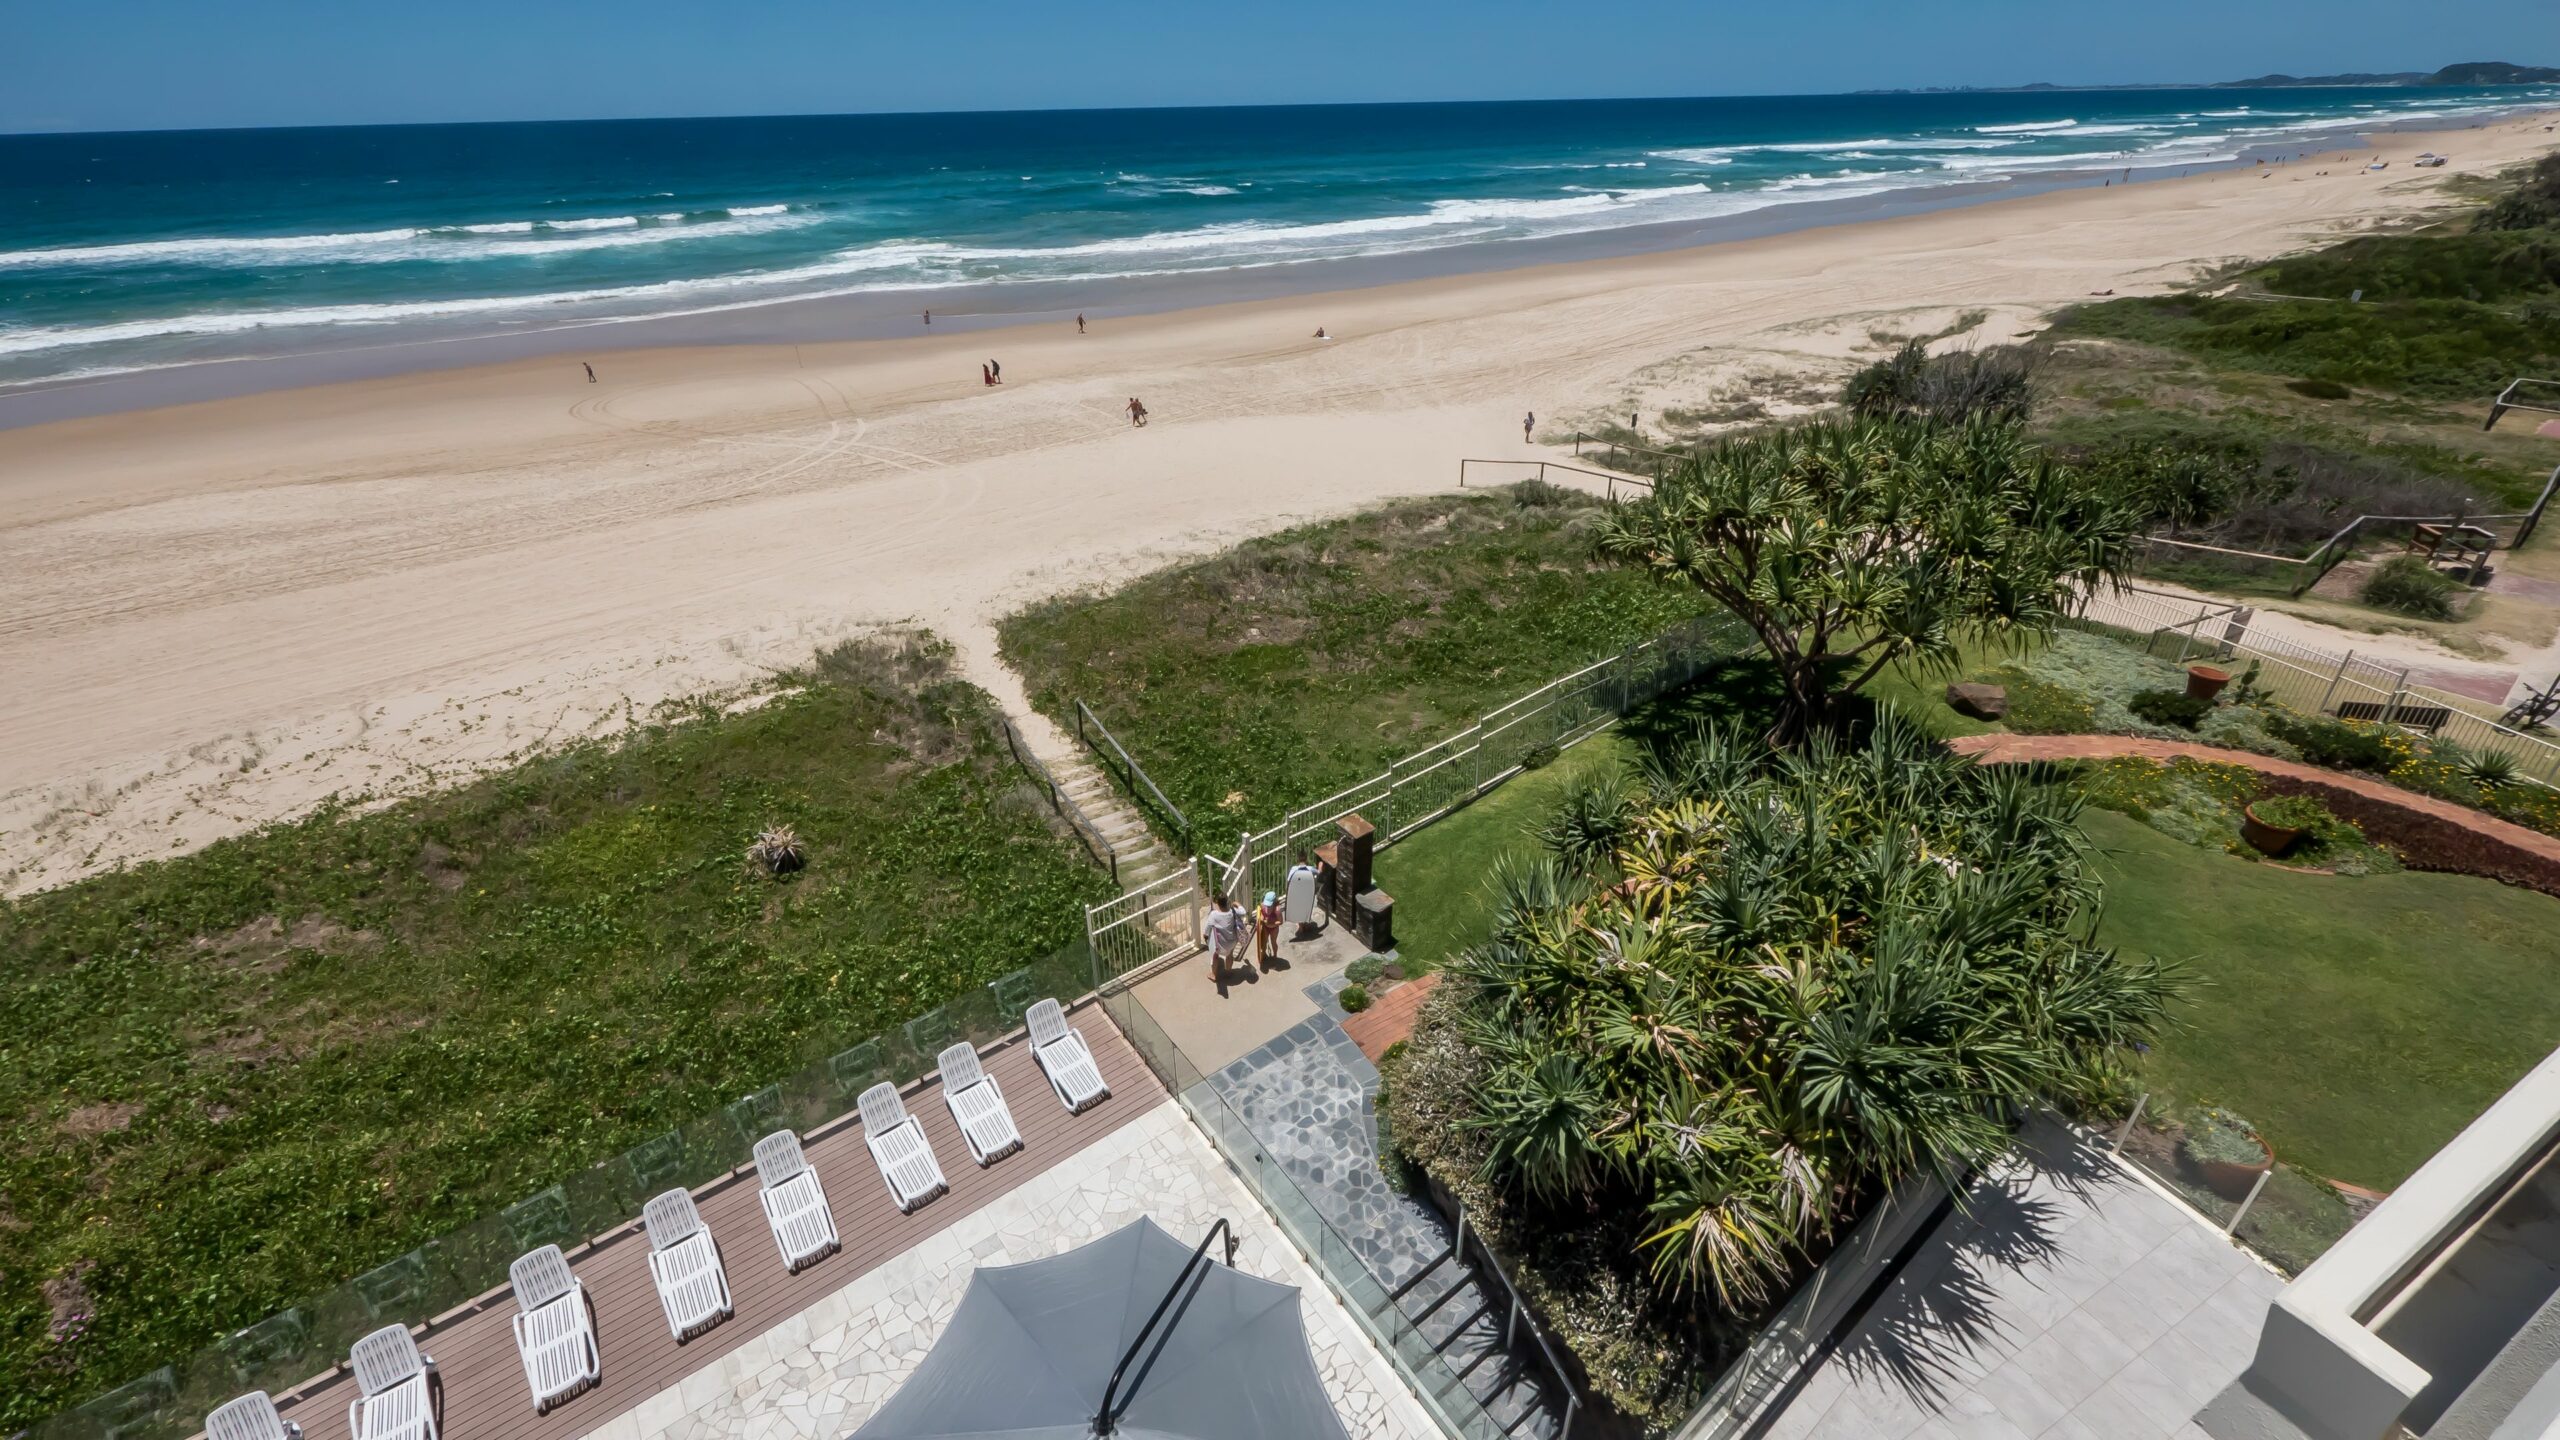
1796,978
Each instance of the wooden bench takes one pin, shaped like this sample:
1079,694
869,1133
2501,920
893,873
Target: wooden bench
2426,718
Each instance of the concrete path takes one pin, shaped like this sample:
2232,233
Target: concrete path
2073,1302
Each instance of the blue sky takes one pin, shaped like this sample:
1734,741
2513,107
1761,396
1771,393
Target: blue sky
169,64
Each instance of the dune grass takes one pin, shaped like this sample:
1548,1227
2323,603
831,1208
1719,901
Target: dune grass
1277,672
245,1075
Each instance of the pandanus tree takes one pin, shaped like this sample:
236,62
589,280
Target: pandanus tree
1749,989
1852,546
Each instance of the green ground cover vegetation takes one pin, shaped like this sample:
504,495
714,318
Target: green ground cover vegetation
240,1077
2359,1024
1280,671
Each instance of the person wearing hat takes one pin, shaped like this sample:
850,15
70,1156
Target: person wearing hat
1266,931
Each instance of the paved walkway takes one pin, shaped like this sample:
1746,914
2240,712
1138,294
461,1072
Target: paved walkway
1310,1096
1999,748
1391,1018
822,1372
2073,1302
1217,1022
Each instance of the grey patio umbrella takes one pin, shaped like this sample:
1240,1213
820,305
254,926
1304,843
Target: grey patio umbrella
1031,1351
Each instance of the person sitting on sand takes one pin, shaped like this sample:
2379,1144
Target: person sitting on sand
1321,335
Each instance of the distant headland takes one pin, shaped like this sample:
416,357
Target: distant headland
2469,72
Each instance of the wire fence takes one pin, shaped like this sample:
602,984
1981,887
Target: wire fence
1439,778
1473,473
2312,680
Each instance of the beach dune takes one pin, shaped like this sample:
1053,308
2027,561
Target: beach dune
212,616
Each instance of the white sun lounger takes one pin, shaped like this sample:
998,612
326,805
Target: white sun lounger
554,1333
794,1204
251,1417
977,1105
391,1388
898,1146
1063,1057
685,1261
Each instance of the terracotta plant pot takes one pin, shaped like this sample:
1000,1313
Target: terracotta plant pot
2206,681
2266,839
2230,1179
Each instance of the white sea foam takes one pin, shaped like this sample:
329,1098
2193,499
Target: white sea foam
256,249
602,222
503,227
742,212
2025,127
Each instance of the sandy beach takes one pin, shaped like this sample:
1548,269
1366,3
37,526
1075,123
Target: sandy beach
216,615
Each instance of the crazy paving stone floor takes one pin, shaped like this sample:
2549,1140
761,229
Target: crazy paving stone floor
1310,1098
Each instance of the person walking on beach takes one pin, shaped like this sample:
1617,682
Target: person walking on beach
1079,324
996,368
1528,423
1137,411
928,317
591,372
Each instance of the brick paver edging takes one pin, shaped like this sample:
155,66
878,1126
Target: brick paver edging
2428,833
1390,1019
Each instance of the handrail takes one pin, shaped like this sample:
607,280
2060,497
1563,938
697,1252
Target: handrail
1612,478
1520,1310
1103,850
1106,1420
1135,776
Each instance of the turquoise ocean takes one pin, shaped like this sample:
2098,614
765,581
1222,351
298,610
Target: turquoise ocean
121,252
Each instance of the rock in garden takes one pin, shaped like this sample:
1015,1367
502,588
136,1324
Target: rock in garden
1982,702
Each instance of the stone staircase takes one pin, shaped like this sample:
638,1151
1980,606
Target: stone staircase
1466,1319
1141,855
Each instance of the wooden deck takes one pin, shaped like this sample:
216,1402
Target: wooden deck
484,1396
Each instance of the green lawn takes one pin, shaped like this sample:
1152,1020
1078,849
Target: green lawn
1437,875
243,1076
1280,671
2360,1023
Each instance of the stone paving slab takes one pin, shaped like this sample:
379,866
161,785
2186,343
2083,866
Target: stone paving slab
2074,1301
1310,1097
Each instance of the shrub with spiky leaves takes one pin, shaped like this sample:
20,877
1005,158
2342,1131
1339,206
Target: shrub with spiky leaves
1797,978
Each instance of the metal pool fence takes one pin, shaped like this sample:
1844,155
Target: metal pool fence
297,1350
1433,1379
1433,781
2312,680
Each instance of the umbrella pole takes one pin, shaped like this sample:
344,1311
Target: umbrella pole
1106,1420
